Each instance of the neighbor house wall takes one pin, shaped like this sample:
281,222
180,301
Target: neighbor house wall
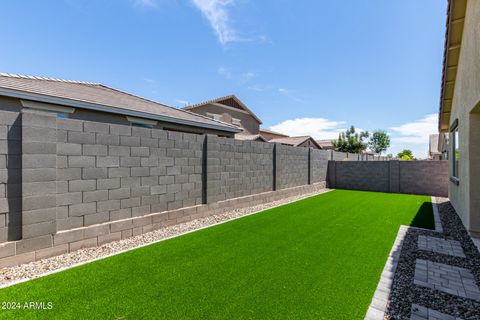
466,98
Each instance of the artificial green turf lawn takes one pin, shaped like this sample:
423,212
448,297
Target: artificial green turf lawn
319,258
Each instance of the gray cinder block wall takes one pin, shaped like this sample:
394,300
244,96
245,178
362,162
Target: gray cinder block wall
237,168
292,166
67,184
320,160
413,177
108,172
10,177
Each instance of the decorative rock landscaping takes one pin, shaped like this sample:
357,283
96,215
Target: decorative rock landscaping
438,273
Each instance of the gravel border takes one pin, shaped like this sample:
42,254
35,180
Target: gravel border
12,275
404,293
376,310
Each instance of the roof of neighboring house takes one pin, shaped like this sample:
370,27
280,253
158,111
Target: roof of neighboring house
272,132
228,101
325,143
250,137
453,39
433,148
294,141
96,96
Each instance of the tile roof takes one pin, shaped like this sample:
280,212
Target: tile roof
219,100
325,142
272,132
90,95
251,137
293,141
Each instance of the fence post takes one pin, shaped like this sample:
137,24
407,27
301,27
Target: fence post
39,193
331,174
309,165
394,176
274,167
204,169
212,168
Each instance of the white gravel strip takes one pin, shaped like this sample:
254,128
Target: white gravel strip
13,275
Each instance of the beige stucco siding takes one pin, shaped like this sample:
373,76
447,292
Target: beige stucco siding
466,98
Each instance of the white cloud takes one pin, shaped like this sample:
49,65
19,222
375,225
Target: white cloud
240,78
259,88
288,93
417,131
247,76
145,3
217,15
318,128
414,135
149,80
225,72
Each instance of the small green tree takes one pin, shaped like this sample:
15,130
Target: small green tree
389,156
379,142
350,141
406,154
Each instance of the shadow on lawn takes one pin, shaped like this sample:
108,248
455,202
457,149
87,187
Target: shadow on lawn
424,217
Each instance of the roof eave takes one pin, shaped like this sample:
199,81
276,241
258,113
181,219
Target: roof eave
453,35
109,109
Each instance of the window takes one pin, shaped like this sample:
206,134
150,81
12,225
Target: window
236,122
62,115
59,111
454,152
214,116
140,122
142,125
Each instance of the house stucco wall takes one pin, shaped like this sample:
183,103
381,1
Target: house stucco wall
465,196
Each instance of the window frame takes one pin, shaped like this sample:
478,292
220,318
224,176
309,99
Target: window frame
454,142
214,116
141,122
236,122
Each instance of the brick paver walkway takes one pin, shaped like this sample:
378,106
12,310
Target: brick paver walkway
423,313
430,275
446,278
439,245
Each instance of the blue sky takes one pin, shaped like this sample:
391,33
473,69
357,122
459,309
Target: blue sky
304,67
